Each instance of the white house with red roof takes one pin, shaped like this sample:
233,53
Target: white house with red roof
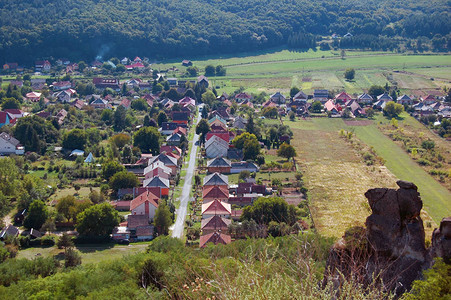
240,97
43,66
33,96
14,113
145,204
216,208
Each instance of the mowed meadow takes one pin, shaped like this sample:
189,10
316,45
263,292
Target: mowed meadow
337,176
279,70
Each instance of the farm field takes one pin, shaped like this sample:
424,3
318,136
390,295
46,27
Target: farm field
398,163
335,176
280,70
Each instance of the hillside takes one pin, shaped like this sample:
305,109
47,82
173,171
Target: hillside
161,29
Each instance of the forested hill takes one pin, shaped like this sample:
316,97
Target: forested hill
79,29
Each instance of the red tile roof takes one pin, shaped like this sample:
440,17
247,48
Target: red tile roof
215,192
216,207
215,238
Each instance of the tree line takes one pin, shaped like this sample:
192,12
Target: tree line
163,29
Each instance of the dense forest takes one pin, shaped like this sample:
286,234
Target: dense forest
84,29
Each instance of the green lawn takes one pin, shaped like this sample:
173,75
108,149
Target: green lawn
435,197
89,253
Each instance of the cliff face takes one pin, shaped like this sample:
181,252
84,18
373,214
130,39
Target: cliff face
390,251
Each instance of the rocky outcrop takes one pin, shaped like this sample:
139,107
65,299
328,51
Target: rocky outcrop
441,241
390,251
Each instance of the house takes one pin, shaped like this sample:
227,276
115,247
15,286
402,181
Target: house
63,96
216,179
100,103
61,115
246,102
331,108
160,182
138,191
365,99
168,128
404,100
218,121
145,204
181,131
237,167
321,96
61,85
43,66
216,147
14,113
174,139
18,83
186,63
240,97
216,208
215,192
79,104
9,230
428,100
219,164
248,188
300,96
380,104
240,123
356,109
139,227
157,171
126,103
224,135
136,65
122,205
215,238
167,160
5,119
347,35
124,61
44,114
71,68
180,117
278,98
384,97
171,149
34,234
202,81
343,97
33,96
103,83
10,145
38,83
120,233
215,223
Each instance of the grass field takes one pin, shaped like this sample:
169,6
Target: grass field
329,160
335,176
89,253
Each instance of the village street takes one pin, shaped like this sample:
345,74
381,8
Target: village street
177,230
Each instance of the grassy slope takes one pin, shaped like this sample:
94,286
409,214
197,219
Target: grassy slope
335,175
435,197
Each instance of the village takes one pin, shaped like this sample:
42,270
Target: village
230,168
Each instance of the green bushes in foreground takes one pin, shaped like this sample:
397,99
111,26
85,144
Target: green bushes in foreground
287,267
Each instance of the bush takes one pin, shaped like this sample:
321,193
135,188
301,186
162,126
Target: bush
48,240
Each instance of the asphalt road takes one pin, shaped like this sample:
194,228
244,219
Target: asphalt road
179,225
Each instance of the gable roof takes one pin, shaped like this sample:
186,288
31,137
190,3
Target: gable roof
223,135
300,96
165,159
385,97
216,179
219,162
9,139
215,238
343,96
365,96
9,230
216,207
215,223
175,137
201,78
243,96
156,182
404,97
216,141
173,149
155,165
4,117
215,192
144,197
216,117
